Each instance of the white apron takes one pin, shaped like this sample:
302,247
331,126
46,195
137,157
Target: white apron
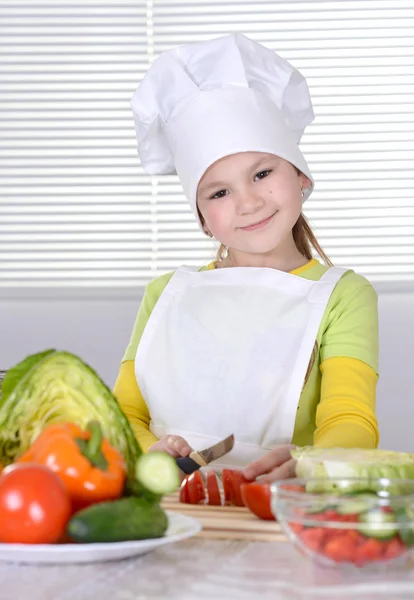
226,351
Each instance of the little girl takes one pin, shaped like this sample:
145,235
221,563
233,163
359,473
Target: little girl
265,342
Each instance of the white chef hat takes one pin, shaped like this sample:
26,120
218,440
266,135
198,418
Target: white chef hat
201,102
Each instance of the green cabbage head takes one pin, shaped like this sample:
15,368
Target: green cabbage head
53,387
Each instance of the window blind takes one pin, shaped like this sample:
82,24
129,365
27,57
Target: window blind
77,210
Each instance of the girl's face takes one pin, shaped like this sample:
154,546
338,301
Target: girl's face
250,201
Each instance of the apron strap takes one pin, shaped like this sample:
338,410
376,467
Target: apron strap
188,268
324,287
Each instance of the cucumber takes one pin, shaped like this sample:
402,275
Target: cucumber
405,516
158,473
320,508
362,503
118,521
135,488
378,524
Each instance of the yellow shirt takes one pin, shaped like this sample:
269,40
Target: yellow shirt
337,403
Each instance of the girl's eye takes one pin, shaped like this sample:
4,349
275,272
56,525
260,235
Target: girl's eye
219,194
263,174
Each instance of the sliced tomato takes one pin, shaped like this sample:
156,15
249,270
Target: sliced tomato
341,548
290,487
394,548
184,495
256,496
313,538
232,482
371,550
213,490
196,489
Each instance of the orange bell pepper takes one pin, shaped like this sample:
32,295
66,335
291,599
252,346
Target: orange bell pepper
89,467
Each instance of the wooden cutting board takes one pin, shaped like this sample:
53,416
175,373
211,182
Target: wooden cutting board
227,522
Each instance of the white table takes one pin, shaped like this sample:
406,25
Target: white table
204,569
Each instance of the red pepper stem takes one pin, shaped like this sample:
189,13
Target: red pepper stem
92,448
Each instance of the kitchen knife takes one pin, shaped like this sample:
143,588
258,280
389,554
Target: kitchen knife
195,460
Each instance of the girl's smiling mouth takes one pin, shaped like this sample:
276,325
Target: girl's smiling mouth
258,225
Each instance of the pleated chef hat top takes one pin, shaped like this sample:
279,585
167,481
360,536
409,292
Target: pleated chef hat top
203,101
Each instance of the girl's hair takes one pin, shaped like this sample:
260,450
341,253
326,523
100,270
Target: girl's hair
303,237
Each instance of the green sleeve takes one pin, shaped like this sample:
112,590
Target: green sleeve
152,292
351,326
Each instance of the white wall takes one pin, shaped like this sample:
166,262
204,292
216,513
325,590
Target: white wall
395,398
99,331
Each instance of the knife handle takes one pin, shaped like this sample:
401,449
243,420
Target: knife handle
187,464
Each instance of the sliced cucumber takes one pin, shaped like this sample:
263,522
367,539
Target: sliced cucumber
358,505
405,516
158,472
378,524
320,508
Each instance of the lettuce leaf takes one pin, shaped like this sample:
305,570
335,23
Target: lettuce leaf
14,375
350,463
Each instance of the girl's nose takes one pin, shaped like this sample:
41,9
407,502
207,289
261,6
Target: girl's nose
249,201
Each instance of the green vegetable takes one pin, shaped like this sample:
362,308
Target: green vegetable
378,524
360,503
16,373
343,463
158,472
118,521
135,488
53,387
405,518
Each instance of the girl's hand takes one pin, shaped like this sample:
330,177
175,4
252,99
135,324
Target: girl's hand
276,464
173,444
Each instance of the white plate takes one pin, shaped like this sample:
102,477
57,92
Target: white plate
180,527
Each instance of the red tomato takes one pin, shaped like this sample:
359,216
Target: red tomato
232,481
394,548
290,487
256,496
34,505
214,497
196,490
341,548
313,538
184,496
371,550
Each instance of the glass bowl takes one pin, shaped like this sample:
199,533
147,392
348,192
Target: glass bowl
352,521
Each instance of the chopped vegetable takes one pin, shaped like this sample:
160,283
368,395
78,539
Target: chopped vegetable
196,492
88,466
34,505
369,536
405,518
184,495
232,481
378,524
361,503
213,490
158,473
193,489
55,387
256,496
368,465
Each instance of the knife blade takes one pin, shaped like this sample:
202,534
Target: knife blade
201,458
